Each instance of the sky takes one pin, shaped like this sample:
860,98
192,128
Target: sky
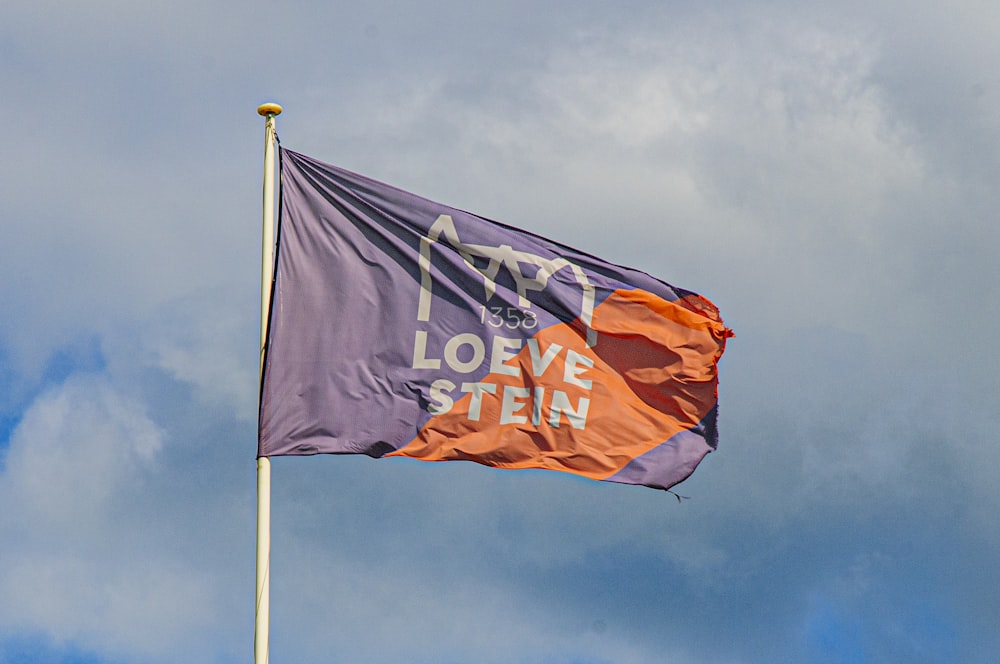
825,173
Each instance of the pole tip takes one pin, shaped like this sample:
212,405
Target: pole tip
269,108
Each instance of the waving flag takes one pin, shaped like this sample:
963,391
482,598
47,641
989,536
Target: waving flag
402,327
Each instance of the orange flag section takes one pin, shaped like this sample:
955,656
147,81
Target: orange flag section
559,405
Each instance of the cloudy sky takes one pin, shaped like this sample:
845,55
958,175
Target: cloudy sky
826,173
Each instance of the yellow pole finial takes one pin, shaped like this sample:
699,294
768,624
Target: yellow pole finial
270,108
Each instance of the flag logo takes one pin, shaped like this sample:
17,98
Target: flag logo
503,256
402,327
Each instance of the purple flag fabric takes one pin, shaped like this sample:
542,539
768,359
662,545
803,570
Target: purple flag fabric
403,327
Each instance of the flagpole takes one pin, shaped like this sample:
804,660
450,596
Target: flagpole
262,612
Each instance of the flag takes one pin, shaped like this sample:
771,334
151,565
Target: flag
403,327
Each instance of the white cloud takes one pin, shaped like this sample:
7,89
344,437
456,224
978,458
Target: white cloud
73,448
83,560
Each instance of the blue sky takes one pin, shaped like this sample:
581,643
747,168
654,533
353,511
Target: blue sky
826,174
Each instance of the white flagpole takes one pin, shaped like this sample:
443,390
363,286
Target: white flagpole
262,613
